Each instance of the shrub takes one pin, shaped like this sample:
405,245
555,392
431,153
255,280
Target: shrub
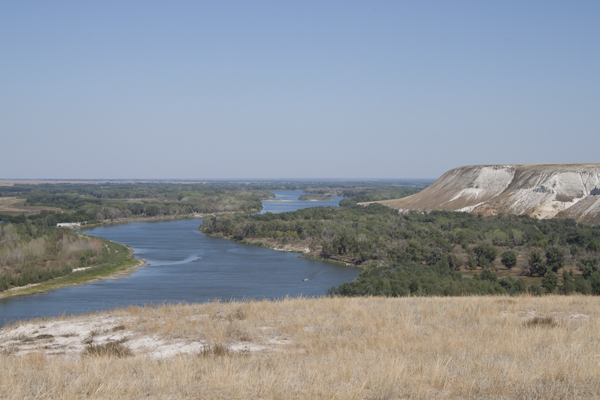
555,258
550,281
486,254
536,265
587,266
512,285
535,290
582,285
595,282
509,258
568,285
545,322
108,349
489,275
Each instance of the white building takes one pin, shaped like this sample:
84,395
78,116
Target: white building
68,224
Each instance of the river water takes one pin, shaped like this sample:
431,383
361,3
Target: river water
185,265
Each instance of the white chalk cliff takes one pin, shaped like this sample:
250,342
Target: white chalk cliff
537,190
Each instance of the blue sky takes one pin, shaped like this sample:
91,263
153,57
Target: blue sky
282,89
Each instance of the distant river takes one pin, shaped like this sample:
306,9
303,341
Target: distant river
185,265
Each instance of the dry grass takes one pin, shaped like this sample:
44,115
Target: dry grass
16,206
343,348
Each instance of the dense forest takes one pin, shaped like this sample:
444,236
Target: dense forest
32,252
441,253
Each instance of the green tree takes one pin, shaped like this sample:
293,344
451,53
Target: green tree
588,265
486,254
595,282
512,285
555,258
454,261
582,285
536,265
509,258
488,275
550,281
568,283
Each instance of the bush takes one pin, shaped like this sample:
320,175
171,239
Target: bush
536,265
108,349
595,282
509,258
587,266
545,322
489,275
568,285
550,281
555,258
512,285
486,254
582,285
535,290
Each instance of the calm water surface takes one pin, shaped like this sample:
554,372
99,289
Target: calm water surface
185,265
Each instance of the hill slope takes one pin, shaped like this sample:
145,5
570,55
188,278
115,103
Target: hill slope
537,190
312,348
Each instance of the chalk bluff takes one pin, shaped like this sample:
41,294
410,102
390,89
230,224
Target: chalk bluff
537,190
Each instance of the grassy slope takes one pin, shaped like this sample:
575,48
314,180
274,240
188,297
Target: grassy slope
345,348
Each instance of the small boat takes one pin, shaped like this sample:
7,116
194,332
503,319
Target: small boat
304,280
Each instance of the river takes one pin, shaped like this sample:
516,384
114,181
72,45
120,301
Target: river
185,265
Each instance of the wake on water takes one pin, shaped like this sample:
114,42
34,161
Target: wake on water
308,278
185,261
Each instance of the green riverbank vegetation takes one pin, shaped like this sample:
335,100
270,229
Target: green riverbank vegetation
437,253
35,257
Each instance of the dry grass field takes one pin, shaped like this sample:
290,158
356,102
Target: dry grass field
342,348
16,206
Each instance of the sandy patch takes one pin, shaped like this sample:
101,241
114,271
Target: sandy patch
530,314
70,338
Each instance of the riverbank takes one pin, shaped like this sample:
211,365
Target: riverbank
347,348
296,247
315,197
83,276
159,218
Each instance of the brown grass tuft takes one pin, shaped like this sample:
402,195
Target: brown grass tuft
541,321
217,350
108,349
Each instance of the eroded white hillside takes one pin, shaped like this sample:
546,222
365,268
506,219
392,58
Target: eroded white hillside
540,190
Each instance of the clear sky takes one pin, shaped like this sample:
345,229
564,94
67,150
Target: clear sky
294,89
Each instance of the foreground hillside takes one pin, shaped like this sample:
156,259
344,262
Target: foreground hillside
345,348
537,190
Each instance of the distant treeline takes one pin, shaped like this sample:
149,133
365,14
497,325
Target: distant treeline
367,193
97,202
104,201
421,253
